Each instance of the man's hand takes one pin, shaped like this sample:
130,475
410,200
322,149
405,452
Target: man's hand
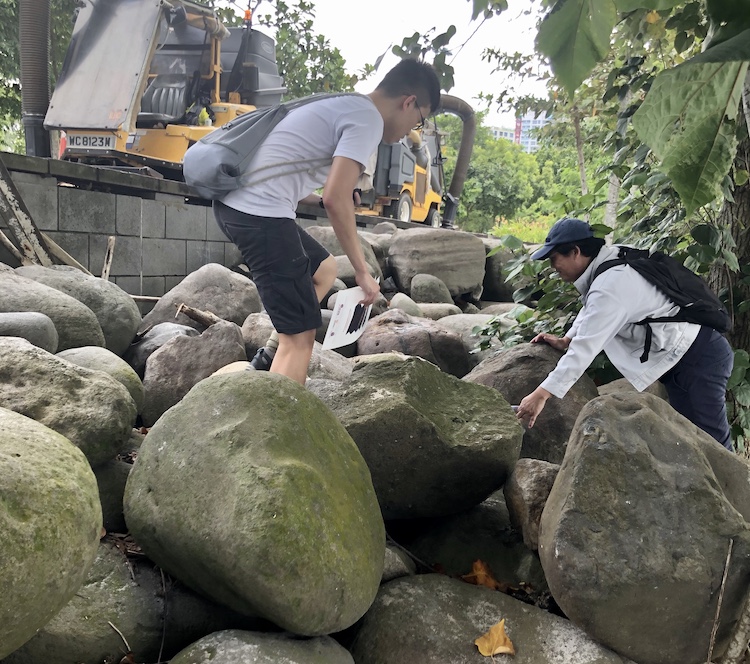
532,404
558,343
369,286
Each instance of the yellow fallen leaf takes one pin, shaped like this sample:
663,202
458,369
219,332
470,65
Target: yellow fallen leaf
495,642
652,17
481,575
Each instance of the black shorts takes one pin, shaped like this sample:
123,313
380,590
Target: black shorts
282,259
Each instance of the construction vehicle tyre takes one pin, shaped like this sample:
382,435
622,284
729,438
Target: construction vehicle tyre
404,207
433,218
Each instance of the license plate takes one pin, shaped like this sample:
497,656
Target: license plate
92,141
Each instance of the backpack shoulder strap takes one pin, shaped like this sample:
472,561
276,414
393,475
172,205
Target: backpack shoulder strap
280,111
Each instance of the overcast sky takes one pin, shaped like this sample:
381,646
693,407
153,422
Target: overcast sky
364,29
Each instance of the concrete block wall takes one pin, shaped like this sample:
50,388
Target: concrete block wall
159,240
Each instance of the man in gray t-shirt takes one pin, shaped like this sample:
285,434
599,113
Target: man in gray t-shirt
333,138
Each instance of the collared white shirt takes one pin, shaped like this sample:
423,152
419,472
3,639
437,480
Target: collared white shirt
612,305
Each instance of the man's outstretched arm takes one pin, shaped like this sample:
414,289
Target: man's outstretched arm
337,198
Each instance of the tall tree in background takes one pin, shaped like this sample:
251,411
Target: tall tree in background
62,14
306,60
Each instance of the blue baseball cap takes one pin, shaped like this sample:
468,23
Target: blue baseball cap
564,231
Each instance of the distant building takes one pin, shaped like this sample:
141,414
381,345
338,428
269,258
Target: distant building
524,125
501,132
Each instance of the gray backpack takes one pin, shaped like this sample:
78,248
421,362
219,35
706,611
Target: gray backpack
216,164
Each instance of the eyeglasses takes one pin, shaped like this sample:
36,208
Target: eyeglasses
421,117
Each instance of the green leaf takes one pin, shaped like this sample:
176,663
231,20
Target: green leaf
442,40
730,258
683,41
742,394
630,5
732,50
688,119
741,177
575,35
705,234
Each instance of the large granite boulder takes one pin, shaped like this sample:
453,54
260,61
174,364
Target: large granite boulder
36,328
468,327
379,245
154,613
428,288
116,311
97,358
75,323
250,491
145,345
435,445
636,530
213,288
516,372
432,619
456,258
90,408
50,521
396,331
526,493
495,286
327,237
345,271
184,361
235,647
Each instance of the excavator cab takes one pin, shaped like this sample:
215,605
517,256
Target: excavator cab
144,79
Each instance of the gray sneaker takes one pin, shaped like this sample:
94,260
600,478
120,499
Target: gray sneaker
262,360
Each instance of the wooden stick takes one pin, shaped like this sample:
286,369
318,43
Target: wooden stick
12,249
124,640
203,317
19,221
108,257
63,256
145,298
715,628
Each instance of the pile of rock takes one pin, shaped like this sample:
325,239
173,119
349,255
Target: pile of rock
258,509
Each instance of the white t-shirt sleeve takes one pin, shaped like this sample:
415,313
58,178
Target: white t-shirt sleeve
360,133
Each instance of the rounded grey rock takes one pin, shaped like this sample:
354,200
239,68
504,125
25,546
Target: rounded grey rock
36,328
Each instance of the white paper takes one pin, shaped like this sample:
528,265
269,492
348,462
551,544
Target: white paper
348,320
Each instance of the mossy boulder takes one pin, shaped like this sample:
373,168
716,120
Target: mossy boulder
90,408
250,491
116,311
153,612
50,520
101,359
435,445
75,323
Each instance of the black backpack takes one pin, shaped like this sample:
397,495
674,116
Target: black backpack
698,303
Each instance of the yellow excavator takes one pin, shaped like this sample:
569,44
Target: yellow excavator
144,79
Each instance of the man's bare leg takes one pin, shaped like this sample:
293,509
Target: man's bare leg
324,277
322,280
293,355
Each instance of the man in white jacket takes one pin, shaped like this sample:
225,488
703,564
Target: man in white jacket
692,361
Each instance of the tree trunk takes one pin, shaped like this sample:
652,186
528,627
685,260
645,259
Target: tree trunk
579,149
736,217
613,201
746,99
